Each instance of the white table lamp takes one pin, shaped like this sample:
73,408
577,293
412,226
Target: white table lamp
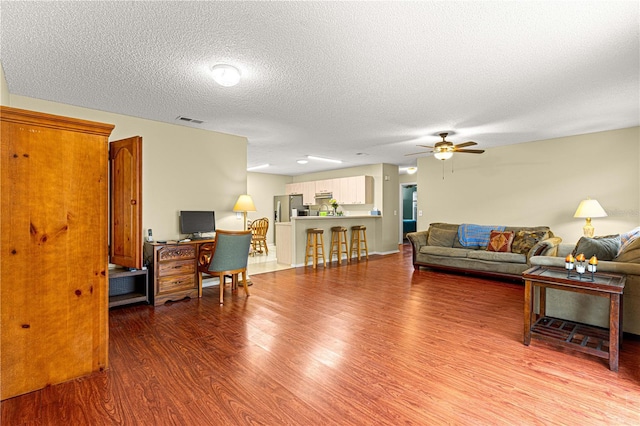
244,205
587,209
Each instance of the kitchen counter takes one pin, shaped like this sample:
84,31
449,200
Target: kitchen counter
335,217
297,237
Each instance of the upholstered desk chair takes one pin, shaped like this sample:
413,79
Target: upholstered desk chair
229,256
259,229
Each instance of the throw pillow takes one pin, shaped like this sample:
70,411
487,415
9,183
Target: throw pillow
631,253
627,238
525,240
604,248
500,241
441,236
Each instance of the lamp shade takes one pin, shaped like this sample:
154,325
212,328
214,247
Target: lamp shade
244,204
589,208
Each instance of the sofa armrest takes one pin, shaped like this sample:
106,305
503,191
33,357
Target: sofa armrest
548,247
417,239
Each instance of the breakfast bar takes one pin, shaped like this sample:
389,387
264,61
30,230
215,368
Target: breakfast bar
292,236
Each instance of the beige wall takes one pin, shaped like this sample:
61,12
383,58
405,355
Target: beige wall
538,183
263,187
183,168
4,88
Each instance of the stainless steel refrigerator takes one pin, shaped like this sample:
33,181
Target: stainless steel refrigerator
282,206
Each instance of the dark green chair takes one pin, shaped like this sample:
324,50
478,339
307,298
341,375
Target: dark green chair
229,257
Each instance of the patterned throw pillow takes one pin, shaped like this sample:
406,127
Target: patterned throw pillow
627,238
525,240
500,241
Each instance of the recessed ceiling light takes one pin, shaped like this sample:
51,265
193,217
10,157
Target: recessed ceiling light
330,160
302,161
225,75
261,166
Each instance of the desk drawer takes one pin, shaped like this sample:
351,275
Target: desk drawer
177,267
169,253
176,283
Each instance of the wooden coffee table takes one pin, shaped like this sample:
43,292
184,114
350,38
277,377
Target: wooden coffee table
585,338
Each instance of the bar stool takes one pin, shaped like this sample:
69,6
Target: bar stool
315,246
358,238
338,240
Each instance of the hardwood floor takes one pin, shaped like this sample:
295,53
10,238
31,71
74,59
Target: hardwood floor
360,344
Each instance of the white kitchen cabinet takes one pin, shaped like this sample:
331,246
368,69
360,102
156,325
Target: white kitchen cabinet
325,185
308,193
349,190
357,190
293,188
307,189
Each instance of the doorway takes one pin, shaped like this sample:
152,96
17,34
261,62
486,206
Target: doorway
408,209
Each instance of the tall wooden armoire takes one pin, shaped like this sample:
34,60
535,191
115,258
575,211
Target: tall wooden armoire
54,249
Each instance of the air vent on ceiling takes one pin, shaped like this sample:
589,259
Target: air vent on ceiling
190,120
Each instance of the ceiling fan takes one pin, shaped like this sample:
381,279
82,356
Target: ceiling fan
444,150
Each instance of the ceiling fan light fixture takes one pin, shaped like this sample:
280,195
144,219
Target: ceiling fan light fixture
225,75
443,155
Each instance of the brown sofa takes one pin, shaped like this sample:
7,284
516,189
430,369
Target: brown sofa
439,247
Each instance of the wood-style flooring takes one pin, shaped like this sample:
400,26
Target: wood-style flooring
368,343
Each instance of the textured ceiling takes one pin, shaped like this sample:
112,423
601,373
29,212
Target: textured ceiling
363,82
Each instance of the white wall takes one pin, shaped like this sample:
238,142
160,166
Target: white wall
263,187
537,183
183,168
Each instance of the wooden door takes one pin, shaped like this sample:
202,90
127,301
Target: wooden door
53,268
126,202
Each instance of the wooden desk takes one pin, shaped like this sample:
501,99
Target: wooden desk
585,338
174,269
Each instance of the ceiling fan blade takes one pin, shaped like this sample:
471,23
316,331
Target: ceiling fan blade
468,143
418,153
426,146
470,151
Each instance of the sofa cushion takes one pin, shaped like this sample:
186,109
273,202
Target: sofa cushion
631,253
442,234
457,244
500,241
444,251
497,256
524,240
604,248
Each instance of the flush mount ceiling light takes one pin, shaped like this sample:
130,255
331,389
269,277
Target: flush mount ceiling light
412,170
225,75
330,160
261,166
302,161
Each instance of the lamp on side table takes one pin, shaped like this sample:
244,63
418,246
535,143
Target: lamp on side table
587,209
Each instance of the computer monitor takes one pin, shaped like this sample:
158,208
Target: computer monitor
197,222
